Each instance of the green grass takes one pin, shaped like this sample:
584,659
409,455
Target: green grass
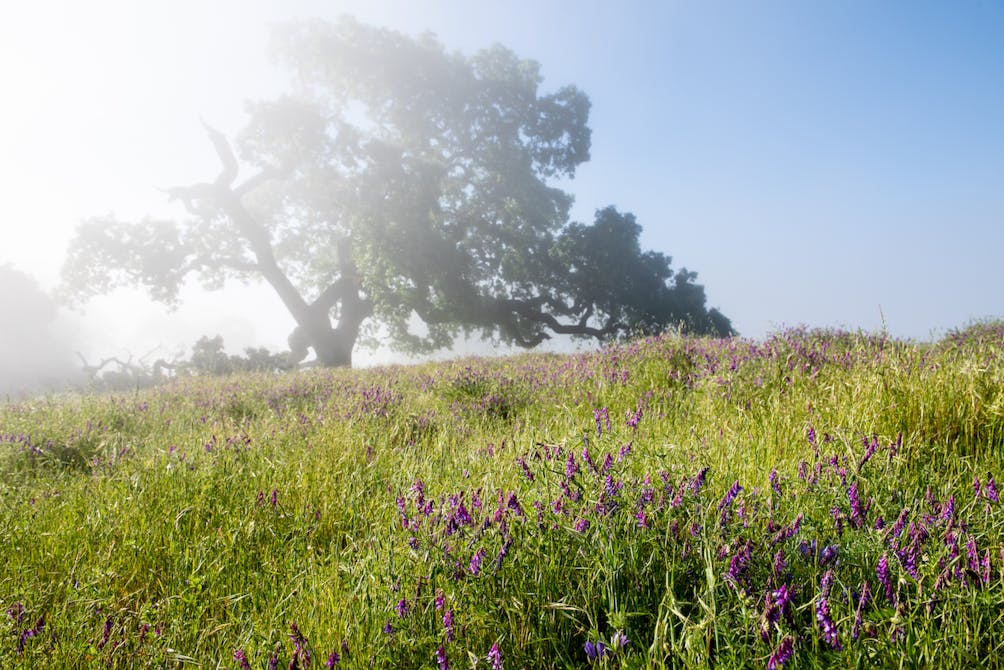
140,529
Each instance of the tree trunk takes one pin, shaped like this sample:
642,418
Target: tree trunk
333,346
334,349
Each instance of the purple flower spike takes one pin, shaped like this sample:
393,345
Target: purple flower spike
441,658
782,654
30,633
525,468
595,650
242,659
106,633
826,625
448,624
990,491
571,467
333,659
882,570
495,656
16,612
475,564
863,601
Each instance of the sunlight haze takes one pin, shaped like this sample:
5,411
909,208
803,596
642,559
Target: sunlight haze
835,164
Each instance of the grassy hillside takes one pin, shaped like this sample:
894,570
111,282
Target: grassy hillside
817,499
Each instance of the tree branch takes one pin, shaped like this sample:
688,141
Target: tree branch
228,174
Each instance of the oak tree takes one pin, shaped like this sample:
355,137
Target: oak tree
406,192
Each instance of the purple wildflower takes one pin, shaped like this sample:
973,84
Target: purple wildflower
973,554
402,608
808,549
826,584
495,656
16,612
475,564
775,484
857,511
780,565
838,519
990,491
870,450
30,633
300,651
440,600
826,625
571,467
788,532
582,525
896,446
739,565
333,659
882,570
781,598
442,659
273,662
241,659
526,469
900,524
595,650
782,654
624,452
503,551
828,554
106,633
726,502
698,482
448,624
948,510
602,417
863,601
512,503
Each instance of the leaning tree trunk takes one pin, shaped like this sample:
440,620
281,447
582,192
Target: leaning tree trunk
332,345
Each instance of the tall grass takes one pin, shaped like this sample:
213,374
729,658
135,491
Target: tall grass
816,499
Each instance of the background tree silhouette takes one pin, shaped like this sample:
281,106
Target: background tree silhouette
34,355
406,192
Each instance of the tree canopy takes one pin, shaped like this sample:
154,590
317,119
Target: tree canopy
403,192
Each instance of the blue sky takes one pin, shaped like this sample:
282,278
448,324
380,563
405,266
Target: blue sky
819,163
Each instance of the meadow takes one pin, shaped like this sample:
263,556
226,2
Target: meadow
816,499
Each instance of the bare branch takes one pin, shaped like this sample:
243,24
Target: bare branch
229,173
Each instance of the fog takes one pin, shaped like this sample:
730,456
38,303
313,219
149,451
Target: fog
36,341
783,169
